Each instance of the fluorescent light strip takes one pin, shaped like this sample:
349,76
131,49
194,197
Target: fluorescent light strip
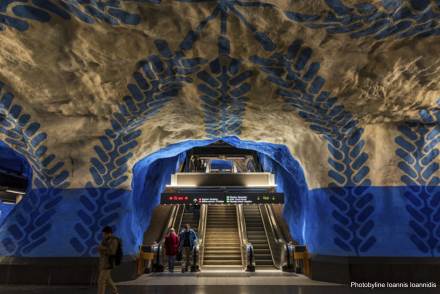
15,192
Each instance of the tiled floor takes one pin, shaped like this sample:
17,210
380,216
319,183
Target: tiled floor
226,278
224,289
269,282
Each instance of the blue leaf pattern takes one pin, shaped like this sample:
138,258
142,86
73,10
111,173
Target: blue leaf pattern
295,76
29,231
418,150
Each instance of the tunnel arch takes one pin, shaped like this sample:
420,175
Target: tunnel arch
12,162
275,158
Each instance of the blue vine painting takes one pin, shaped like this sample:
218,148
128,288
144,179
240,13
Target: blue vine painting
347,215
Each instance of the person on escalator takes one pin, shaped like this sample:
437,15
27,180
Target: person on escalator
196,212
188,239
171,248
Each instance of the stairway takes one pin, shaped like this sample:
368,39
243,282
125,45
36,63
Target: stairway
257,236
222,243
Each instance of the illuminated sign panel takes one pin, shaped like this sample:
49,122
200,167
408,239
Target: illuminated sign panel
221,198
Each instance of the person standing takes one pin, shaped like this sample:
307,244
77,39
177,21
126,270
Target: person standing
188,239
171,248
196,212
107,252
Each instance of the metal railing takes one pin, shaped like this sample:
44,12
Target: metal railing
198,250
278,247
177,224
247,249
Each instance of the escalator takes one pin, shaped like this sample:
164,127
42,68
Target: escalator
191,217
163,218
256,235
222,243
160,220
188,216
278,213
222,239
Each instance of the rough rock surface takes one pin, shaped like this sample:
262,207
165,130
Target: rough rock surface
71,75
90,89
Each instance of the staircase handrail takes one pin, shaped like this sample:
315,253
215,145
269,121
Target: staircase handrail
246,248
201,233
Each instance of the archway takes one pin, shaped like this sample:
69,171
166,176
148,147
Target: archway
15,180
152,173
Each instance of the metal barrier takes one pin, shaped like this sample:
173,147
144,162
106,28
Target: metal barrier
288,258
158,258
250,258
145,260
302,262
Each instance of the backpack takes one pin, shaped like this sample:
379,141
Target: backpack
119,254
117,258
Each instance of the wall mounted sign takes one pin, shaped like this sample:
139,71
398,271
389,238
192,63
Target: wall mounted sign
222,198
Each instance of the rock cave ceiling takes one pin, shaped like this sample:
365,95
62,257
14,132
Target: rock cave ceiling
82,79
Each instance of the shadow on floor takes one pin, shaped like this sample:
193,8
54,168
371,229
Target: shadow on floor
183,289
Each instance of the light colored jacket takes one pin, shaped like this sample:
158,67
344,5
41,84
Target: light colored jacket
110,246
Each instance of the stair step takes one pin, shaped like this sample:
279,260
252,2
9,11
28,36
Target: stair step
224,251
222,257
222,262
257,263
222,243
211,247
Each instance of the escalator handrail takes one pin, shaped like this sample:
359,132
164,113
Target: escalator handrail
286,235
201,232
274,224
246,246
169,224
276,244
179,224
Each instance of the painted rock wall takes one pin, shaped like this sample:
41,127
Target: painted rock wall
90,88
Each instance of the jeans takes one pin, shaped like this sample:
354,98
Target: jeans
171,260
186,257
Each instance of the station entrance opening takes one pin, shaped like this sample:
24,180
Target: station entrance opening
224,195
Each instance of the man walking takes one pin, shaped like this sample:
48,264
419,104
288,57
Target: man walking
107,253
188,239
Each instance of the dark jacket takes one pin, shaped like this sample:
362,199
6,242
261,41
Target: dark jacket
171,244
192,238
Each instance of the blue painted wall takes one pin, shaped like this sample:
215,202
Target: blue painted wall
68,222
5,209
342,221
349,217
